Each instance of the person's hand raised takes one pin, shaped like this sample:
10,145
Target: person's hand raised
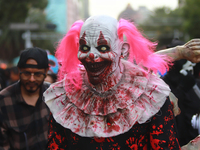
190,50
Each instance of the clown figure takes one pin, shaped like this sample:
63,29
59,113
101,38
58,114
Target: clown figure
103,101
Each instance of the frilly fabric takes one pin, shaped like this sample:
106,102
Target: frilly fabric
136,98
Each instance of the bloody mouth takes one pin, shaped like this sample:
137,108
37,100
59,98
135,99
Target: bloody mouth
95,69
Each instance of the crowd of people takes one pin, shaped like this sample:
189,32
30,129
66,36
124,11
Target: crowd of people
105,93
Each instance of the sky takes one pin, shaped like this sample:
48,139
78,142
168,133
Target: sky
114,7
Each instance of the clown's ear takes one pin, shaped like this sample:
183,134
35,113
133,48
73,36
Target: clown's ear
125,51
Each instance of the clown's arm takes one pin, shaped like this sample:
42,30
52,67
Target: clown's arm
189,51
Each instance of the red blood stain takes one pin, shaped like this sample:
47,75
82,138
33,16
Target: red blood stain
155,142
116,146
103,76
157,132
108,123
77,130
58,137
111,139
99,139
171,143
53,146
172,104
141,139
101,40
154,127
145,147
95,126
82,40
132,143
151,91
62,103
167,119
196,140
75,138
113,127
134,146
112,54
161,126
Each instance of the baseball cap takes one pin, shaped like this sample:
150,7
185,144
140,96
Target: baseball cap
38,54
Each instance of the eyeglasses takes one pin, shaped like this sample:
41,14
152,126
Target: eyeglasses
37,75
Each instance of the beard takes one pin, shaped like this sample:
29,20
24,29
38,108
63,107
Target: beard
31,87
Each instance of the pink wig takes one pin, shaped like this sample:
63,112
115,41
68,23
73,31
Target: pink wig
141,49
67,51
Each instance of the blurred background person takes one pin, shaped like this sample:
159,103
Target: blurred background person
53,68
13,75
8,76
183,85
3,78
23,113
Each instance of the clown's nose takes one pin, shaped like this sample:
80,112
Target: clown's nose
91,55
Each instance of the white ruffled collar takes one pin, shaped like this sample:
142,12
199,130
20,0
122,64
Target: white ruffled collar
137,97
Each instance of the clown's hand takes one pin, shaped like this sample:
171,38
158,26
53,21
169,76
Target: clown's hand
193,144
190,51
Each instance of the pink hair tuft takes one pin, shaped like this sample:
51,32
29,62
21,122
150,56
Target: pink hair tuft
67,50
66,54
141,49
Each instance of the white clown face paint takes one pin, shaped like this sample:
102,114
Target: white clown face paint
100,48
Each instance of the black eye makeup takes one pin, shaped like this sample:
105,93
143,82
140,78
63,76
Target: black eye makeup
103,48
84,48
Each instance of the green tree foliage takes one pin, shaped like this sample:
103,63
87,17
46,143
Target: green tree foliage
17,11
191,15
163,25
38,16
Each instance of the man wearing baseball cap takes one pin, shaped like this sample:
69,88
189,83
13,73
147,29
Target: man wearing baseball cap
23,114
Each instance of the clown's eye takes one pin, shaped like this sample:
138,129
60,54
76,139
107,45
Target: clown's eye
85,48
103,48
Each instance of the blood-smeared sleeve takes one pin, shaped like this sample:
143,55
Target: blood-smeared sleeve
163,133
56,136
